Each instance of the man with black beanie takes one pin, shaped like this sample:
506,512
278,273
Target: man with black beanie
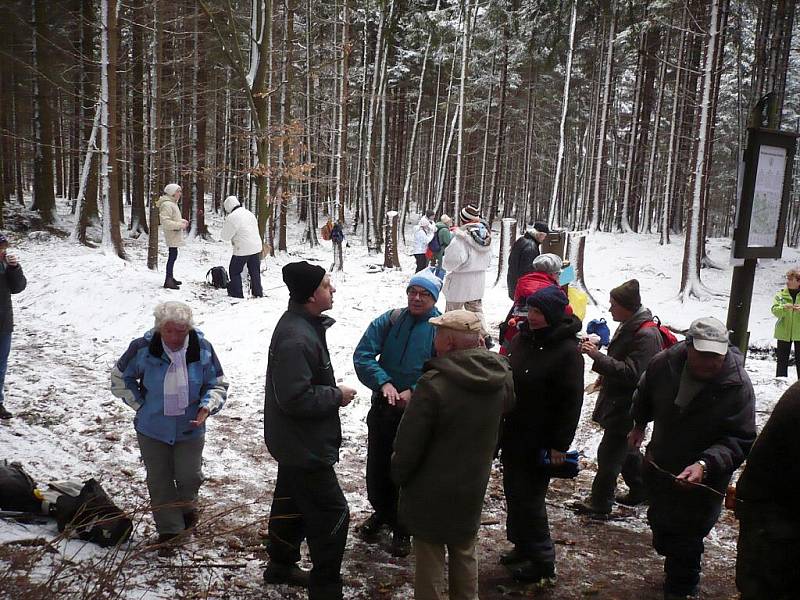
303,433
523,251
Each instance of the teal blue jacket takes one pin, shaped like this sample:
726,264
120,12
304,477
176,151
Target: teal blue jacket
395,350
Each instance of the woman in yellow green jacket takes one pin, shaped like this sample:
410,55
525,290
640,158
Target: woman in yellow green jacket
787,330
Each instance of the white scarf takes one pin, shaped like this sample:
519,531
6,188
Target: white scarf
176,382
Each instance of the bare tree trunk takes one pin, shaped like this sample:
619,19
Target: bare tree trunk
44,199
465,42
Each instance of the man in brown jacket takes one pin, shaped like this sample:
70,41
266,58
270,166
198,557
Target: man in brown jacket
443,454
634,344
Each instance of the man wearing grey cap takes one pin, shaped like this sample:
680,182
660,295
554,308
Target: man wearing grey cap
443,454
701,403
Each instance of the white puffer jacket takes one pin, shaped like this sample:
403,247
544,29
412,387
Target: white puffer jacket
169,215
421,239
240,228
466,262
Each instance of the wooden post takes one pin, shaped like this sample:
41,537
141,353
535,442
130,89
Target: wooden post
391,259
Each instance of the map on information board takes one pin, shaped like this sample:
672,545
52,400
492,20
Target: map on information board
765,216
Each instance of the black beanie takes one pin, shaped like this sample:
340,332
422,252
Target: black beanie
551,302
627,295
302,279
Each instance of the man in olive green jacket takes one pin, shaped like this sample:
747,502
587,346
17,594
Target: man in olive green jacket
443,454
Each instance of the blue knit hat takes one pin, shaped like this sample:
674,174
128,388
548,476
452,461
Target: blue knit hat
428,281
551,301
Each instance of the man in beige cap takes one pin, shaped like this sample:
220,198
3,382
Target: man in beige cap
443,454
701,403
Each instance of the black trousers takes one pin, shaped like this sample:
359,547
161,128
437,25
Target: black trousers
310,505
615,457
767,554
783,358
235,268
679,521
527,527
172,256
382,423
422,262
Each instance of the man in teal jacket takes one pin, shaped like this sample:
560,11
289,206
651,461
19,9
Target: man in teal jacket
389,360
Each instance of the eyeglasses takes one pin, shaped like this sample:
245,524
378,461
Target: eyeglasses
418,293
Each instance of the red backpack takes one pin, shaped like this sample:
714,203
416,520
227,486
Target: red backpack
668,338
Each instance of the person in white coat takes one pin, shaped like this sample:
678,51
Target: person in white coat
173,225
241,229
422,235
466,261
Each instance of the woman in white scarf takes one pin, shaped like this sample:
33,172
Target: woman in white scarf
172,378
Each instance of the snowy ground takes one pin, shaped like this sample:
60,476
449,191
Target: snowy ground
83,306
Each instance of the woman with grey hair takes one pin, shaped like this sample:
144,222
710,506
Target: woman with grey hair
173,224
172,378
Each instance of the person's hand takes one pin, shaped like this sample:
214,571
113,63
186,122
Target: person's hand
557,457
588,347
11,259
390,393
184,224
348,394
694,473
202,415
635,438
404,398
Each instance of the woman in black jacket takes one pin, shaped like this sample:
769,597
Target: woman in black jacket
548,381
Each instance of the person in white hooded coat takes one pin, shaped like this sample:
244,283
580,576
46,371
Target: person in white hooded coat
466,261
241,229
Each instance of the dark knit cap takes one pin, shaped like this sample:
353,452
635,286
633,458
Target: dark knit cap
551,302
627,295
541,227
302,279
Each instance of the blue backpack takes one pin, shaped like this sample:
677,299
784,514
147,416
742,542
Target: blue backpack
599,328
435,244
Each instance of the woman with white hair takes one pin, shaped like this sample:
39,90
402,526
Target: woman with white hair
173,224
172,378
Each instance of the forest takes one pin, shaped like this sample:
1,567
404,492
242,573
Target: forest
615,115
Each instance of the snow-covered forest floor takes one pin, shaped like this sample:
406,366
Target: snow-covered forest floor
81,308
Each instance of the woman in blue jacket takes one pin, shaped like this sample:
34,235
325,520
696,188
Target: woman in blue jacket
173,380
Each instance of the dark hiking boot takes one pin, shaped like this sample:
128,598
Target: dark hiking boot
631,499
370,529
4,414
588,507
401,545
166,544
513,557
190,519
534,572
171,284
177,281
280,573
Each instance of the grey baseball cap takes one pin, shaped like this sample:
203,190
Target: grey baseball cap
709,335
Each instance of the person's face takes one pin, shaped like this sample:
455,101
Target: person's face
536,319
177,195
792,281
618,312
539,236
420,301
323,295
174,334
704,365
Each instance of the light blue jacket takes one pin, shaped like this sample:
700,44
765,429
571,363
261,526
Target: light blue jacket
138,379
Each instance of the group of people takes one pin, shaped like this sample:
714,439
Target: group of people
240,229
443,407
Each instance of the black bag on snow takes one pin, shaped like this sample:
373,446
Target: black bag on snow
218,277
17,489
93,516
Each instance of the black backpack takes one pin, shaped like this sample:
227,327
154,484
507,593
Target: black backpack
17,489
219,277
93,516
